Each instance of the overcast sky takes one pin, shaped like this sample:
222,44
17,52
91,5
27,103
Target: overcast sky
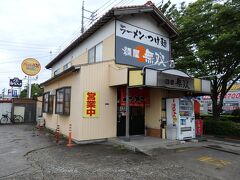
41,28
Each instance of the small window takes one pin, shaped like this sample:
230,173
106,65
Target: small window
63,99
98,55
47,103
50,104
91,55
95,54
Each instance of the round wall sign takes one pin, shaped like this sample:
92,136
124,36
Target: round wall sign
31,66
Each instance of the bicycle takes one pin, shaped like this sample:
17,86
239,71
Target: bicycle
7,119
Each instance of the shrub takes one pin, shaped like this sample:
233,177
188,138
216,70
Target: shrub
236,112
223,128
222,118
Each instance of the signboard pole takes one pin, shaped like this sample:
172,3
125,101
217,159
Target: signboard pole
127,113
29,87
20,89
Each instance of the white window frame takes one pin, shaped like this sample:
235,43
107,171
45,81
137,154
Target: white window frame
97,57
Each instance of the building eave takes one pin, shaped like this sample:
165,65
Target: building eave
61,75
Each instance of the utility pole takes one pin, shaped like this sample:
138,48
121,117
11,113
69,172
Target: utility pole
91,18
82,29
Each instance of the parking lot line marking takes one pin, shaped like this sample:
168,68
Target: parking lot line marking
214,161
185,149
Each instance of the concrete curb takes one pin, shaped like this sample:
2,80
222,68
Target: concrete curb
223,150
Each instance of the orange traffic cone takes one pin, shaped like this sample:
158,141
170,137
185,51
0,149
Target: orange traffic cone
57,134
70,136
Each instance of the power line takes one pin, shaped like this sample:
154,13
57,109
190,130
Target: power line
127,3
9,62
28,50
91,18
120,3
30,54
95,16
24,46
103,5
77,31
24,56
14,42
100,14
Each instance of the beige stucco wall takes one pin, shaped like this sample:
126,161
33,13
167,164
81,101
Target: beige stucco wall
82,59
109,48
91,77
63,121
108,51
117,76
95,77
153,113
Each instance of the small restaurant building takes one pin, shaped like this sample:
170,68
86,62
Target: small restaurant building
117,79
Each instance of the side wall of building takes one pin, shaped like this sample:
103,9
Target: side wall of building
52,120
94,78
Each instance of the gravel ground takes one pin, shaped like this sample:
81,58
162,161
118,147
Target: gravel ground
44,159
100,161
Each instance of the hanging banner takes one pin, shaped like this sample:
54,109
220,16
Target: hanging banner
174,112
139,47
137,97
91,104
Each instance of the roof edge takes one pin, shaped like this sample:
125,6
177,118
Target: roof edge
112,13
70,69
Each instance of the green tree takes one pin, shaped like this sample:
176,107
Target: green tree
36,90
208,43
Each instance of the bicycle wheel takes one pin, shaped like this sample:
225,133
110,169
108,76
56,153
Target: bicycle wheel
18,118
3,120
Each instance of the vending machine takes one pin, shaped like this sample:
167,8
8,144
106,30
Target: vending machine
180,118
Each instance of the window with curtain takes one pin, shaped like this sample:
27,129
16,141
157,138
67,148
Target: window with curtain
47,103
63,100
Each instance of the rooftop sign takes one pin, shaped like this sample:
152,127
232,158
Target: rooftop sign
139,47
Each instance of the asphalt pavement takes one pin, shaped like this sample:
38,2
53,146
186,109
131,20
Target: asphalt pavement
26,153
